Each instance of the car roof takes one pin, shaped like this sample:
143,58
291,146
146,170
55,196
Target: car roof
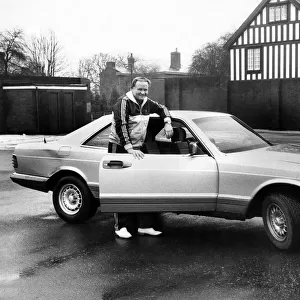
80,134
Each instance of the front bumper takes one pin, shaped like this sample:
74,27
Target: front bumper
29,181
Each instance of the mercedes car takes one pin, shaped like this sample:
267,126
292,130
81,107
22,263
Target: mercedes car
214,165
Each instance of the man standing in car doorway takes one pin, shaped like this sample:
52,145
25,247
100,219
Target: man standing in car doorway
128,133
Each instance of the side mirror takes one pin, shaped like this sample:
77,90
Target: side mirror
193,148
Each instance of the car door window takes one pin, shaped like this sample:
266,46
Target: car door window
100,139
158,143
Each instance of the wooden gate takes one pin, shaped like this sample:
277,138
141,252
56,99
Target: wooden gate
55,112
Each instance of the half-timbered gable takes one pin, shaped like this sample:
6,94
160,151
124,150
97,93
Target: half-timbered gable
267,44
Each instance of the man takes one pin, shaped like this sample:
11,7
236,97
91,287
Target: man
128,133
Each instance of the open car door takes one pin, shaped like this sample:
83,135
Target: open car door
168,178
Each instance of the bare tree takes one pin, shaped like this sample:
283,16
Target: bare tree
137,66
13,47
36,57
45,55
92,68
146,69
211,59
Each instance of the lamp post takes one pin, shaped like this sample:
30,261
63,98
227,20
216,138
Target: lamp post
130,65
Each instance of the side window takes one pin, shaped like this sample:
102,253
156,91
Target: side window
157,143
100,139
278,13
254,59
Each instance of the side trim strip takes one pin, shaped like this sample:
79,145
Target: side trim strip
233,197
235,200
146,196
28,177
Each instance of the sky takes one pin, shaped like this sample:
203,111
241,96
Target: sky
150,30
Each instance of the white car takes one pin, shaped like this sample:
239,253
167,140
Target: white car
215,165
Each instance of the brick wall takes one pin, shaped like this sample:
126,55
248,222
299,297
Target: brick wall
20,111
57,111
255,102
50,110
157,90
173,93
196,93
266,104
82,116
263,104
289,104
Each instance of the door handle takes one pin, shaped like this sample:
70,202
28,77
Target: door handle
115,164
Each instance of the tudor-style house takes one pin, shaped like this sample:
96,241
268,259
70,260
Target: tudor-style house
267,44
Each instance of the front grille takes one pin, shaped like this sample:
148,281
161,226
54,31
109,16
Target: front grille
14,161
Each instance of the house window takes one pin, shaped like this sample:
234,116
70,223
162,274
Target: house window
278,13
254,59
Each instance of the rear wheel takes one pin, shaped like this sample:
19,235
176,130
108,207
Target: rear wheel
73,200
281,216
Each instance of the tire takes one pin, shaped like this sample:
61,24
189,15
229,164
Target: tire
281,216
73,201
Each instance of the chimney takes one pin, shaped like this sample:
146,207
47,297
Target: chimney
130,60
175,61
110,65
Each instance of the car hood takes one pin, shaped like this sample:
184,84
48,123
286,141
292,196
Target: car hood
279,153
279,161
285,153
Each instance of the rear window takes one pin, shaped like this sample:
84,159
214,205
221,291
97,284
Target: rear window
100,139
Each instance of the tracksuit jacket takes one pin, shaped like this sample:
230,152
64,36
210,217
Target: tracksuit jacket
130,120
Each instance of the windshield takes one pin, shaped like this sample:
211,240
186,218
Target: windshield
229,135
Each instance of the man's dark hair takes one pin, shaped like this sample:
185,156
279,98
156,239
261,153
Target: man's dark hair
142,79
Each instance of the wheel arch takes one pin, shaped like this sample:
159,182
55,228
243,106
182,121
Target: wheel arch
55,177
287,188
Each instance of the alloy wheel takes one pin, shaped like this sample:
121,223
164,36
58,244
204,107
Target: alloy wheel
70,199
277,222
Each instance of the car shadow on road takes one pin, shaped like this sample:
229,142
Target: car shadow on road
216,233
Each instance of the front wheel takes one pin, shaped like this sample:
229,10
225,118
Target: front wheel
281,216
73,201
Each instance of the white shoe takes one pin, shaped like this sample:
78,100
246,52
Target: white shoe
123,233
148,231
